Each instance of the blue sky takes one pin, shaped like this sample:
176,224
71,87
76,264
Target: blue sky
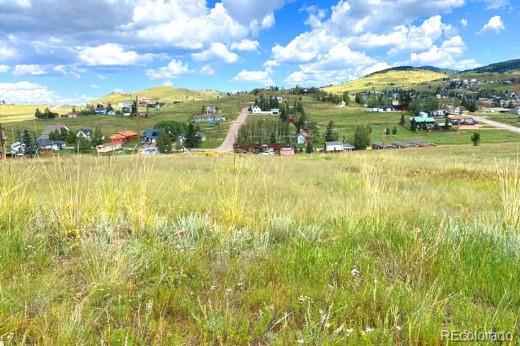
55,51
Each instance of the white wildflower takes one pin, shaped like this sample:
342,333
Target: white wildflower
355,272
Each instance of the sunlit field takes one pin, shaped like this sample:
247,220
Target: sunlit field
361,248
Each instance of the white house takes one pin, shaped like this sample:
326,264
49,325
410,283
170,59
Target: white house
275,111
256,110
85,133
331,147
17,148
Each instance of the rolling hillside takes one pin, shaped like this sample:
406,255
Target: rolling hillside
165,94
501,67
400,77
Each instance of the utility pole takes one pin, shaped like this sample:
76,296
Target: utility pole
2,143
138,121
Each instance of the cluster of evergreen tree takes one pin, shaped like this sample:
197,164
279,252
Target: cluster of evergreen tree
267,103
170,131
332,98
46,114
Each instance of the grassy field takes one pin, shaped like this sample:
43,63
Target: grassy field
388,80
505,118
230,105
20,113
362,248
347,119
164,94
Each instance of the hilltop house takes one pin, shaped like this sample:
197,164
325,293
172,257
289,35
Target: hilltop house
52,128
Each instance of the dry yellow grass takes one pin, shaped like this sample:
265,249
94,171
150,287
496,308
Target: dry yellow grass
388,80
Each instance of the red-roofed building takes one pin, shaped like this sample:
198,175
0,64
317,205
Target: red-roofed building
123,137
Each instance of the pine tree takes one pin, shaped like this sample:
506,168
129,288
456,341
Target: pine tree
192,141
329,134
164,143
361,138
29,147
475,138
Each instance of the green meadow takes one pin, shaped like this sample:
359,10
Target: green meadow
387,247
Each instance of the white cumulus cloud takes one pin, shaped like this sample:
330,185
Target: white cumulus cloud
30,69
216,52
495,24
263,77
245,45
173,70
111,54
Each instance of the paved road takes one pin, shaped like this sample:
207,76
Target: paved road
485,120
227,145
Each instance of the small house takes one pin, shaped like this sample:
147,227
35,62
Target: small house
85,133
256,110
275,111
151,135
302,137
52,128
47,144
127,111
424,123
17,149
334,147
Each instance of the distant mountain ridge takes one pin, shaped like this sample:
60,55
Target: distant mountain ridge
500,67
